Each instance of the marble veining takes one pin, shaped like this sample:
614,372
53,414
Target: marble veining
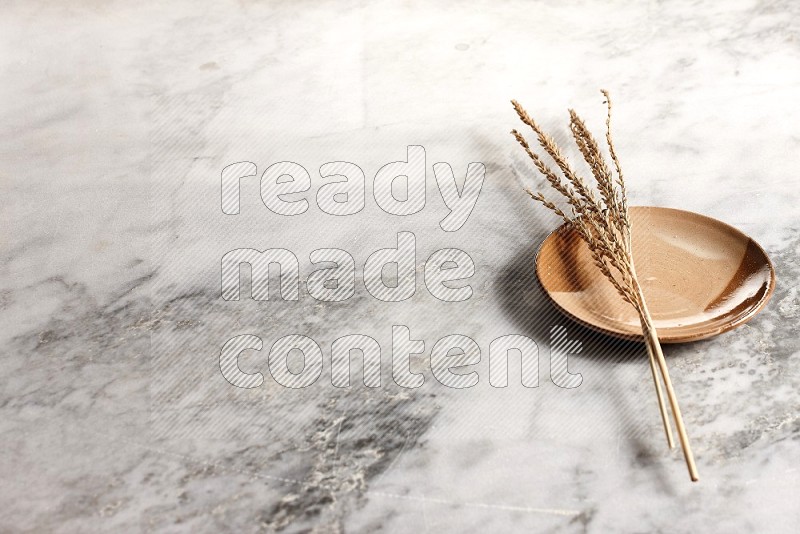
118,119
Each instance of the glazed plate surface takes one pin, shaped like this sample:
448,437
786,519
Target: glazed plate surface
700,277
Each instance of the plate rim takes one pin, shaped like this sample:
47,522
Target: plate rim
726,327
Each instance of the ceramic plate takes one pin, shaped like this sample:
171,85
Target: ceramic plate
700,277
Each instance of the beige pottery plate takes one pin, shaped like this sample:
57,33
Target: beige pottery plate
700,277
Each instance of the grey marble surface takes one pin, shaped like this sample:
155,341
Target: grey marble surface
117,121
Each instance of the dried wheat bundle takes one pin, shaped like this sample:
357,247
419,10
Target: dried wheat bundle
600,217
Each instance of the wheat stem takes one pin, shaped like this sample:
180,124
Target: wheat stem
654,348
604,224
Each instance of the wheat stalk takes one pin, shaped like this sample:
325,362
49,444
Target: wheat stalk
601,218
